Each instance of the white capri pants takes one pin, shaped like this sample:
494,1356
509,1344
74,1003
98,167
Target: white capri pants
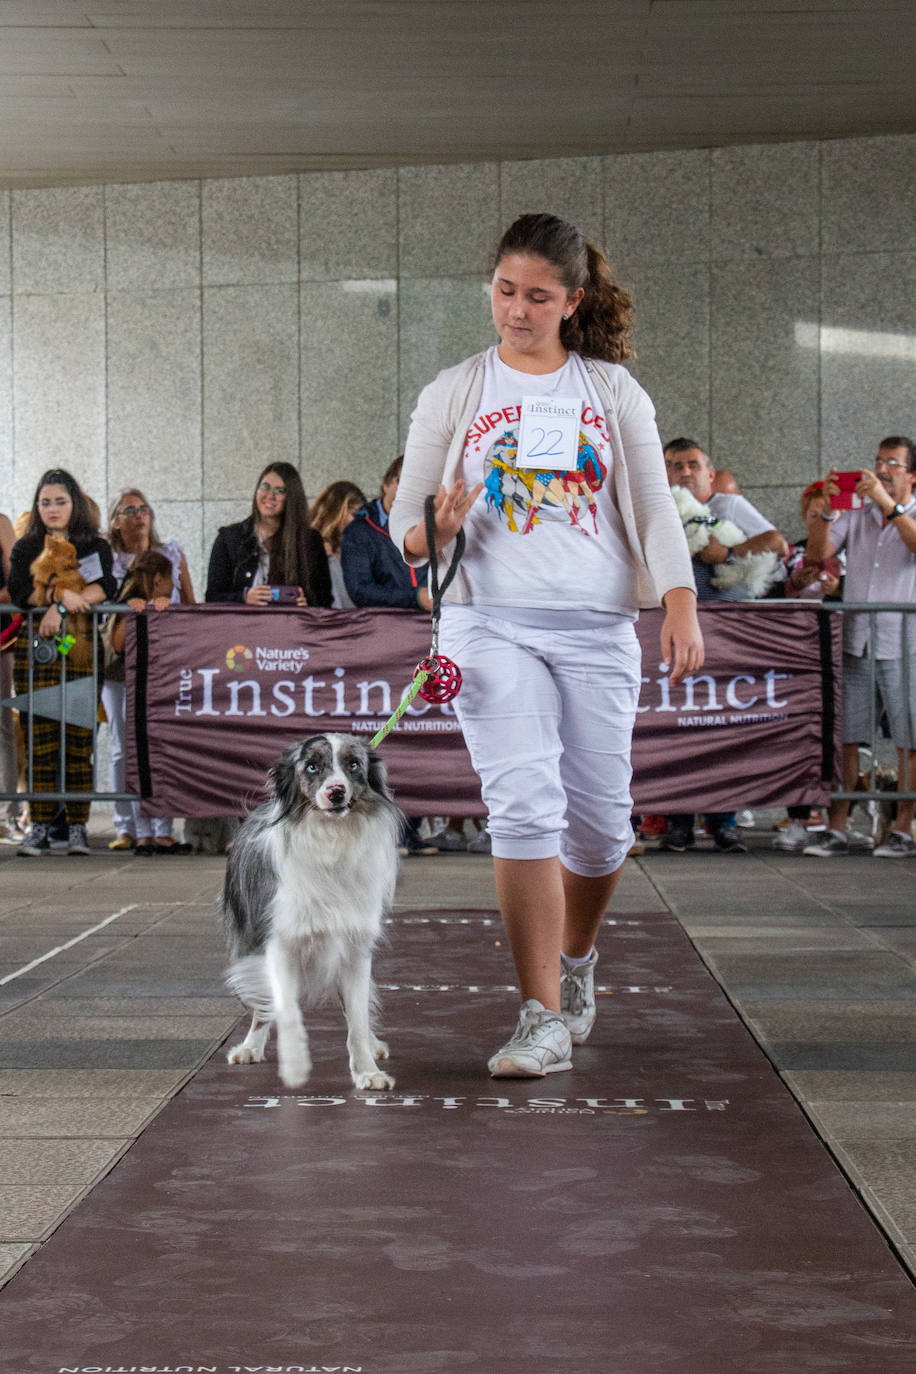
127,819
548,717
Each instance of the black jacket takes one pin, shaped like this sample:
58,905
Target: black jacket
373,569
234,562
27,549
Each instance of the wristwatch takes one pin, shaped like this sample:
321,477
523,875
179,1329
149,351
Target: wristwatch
829,519
729,557
898,510
61,609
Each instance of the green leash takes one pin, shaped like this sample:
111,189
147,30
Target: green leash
393,719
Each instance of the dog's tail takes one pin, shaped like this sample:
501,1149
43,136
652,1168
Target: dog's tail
247,978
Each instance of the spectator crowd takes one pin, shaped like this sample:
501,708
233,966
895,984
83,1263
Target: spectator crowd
857,540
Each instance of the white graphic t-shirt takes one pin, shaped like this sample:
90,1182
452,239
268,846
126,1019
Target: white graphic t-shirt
543,536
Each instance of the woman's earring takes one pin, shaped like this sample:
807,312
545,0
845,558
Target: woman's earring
565,317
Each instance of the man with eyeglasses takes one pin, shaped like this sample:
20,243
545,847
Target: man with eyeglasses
880,543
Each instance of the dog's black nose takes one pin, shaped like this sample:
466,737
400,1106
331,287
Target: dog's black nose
336,795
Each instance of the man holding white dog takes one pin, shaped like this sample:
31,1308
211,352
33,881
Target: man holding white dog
880,542
737,570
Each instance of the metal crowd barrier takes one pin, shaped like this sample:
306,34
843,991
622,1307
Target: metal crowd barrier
79,695
83,699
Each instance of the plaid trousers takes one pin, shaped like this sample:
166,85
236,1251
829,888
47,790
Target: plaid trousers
51,771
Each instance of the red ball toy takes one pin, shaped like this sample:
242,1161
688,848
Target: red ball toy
444,681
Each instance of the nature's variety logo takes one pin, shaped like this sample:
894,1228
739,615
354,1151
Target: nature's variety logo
236,656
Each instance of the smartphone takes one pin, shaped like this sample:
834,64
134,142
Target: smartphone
284,596
845,498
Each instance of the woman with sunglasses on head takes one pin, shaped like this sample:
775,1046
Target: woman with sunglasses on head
545,451
132,532
60,510
272,547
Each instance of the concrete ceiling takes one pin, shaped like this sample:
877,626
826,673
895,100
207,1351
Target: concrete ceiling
140,90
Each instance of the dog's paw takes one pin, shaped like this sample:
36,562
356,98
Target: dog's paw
376,1082
244,1054
294,1069
379,1049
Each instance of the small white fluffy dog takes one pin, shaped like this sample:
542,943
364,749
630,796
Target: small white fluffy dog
755,573
309,878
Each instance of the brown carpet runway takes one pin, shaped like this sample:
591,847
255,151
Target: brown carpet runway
663,1207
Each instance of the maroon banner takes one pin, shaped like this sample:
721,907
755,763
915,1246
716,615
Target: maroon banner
216,692
757,727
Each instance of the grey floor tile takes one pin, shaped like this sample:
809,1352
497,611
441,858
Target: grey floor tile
89,1083
29,1214
840,1056
49,1024
827,974
882,1021
40,1163
11,1257
885,1171
105,1054
788,940
829,1086
73,1117
873,1120
153,1007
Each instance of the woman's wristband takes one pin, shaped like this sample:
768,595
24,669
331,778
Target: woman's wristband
829,519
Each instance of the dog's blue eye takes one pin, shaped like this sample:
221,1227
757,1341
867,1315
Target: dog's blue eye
311,768
353,766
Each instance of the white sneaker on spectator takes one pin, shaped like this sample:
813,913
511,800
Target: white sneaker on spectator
827,846
859,843
36,841
541,1044
451,841
480,843
577,997
745,819
897,846
794,837
78,842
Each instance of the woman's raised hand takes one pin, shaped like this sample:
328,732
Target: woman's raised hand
451,507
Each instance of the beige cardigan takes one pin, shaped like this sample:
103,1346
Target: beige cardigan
435,445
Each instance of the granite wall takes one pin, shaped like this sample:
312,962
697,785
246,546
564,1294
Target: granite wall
180,334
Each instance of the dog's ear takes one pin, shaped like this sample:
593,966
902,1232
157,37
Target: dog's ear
378,776
283,780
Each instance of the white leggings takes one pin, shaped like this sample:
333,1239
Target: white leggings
548,718
127,819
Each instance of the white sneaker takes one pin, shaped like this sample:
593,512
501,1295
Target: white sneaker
78,842
897,846
826,846
480,843
36,841
449,841
794,837
577,997
540,1045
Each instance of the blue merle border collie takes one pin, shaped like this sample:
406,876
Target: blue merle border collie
310,876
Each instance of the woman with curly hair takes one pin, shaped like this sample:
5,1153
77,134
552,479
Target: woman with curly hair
545,451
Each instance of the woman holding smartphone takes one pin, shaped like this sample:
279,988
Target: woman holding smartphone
273,555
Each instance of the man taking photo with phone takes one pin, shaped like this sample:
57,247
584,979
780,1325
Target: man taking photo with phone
880,542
